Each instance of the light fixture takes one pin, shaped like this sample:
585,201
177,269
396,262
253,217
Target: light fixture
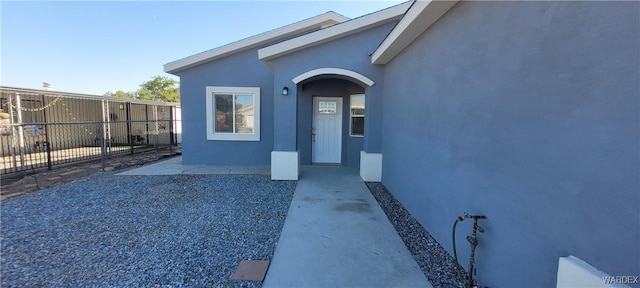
121,106
285,91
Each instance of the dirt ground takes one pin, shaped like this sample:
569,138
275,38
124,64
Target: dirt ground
31,181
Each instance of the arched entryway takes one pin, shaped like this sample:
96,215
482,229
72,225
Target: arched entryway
330,109
329,106
334,72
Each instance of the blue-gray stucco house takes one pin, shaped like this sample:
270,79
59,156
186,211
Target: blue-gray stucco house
526,112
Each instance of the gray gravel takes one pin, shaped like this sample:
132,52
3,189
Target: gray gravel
107,230
438,266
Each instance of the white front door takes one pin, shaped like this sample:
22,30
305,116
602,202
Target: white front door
327,130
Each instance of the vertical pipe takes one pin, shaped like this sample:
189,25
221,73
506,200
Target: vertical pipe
103,133
20,128
46,132
146,117
171,123
12,149
108,127
67,137
156,126
128,112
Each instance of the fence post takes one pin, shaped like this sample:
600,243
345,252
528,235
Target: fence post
47,144
171,124
20,130
103,148
106,122
12,147
146,123
129,136
103,131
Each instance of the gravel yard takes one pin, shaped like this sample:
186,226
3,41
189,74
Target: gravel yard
108,230
182,230
439,267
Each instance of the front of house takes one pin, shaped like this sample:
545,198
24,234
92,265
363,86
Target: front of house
310,96
526,112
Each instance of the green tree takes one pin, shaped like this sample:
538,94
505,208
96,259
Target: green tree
120,94
160,88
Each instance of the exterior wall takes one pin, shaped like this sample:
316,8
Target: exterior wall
526,112
351,53
242,69
351,146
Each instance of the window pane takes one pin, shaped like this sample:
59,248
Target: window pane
357,126
327,107
357,115
357,102
233,113
357,105
224,113
244,113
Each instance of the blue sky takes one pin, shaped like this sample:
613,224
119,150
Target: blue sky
94,47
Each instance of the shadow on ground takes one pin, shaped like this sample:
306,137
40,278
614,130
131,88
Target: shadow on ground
13,185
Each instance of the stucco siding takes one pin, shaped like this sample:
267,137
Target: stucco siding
242,70
351,53
528,113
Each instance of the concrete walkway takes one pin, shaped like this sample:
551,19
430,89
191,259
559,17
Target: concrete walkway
336,235
174,166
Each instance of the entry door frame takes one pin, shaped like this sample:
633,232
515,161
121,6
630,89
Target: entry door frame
327,131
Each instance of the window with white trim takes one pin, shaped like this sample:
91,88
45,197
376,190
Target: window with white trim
233,113
357,115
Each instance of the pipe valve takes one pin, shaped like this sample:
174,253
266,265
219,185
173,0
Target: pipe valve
467,216
472,239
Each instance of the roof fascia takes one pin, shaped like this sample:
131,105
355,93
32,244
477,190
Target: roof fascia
301,27
418,19
331,33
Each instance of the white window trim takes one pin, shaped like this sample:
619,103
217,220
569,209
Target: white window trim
211,134
351,115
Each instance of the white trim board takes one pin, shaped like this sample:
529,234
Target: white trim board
298,28
285,165
333,71
371,166
421,15
335,32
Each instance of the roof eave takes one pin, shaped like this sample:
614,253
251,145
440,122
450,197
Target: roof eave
418,19
323,20
335,32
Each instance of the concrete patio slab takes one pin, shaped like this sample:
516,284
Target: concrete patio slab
174,166
336,235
